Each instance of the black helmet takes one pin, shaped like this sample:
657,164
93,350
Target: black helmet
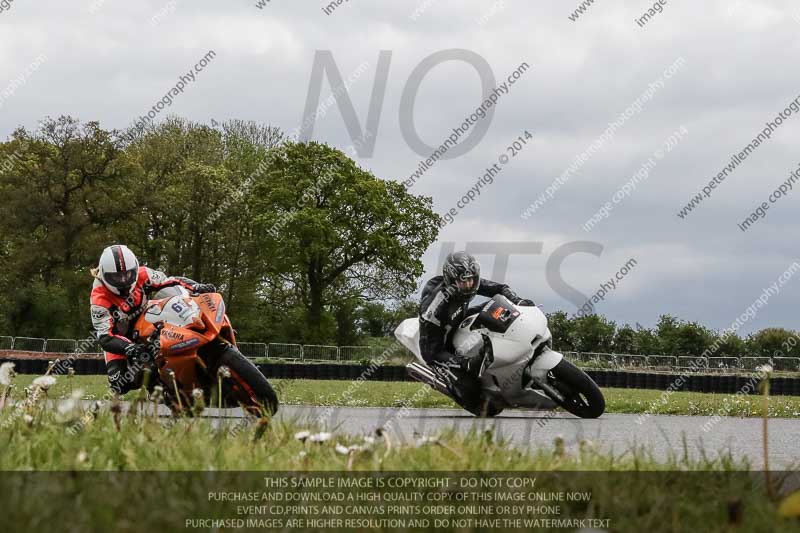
463,272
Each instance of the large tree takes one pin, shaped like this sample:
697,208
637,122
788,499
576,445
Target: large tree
194,217
65,189
333,231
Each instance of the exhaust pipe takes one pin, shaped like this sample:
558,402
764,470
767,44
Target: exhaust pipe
427,376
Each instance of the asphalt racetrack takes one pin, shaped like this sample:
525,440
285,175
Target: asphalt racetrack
661,434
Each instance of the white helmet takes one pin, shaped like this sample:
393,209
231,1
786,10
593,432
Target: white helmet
118,269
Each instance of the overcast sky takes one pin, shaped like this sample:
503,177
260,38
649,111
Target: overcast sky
111,61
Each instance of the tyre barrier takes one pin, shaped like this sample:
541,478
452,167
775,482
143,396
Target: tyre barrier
709,383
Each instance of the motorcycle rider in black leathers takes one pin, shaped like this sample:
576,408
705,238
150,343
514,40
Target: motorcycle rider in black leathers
443,305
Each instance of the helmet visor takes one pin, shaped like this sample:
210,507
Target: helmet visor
467,284
121,280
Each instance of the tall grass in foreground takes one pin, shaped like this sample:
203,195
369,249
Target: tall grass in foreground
108,469
124,469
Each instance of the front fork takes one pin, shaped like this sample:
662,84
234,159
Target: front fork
536,373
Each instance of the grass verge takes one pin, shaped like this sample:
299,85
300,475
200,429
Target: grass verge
67,468
115,456
399,394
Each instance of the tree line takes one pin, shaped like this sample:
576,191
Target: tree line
304,245
670,336
298,238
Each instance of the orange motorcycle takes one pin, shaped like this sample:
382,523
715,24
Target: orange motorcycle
193,346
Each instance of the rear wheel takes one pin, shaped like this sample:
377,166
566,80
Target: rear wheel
581,395
246,386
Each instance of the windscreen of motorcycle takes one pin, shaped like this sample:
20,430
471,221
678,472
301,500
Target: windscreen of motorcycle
179,311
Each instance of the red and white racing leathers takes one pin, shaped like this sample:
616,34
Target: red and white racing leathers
113,316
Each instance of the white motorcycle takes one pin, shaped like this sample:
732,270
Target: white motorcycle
518,366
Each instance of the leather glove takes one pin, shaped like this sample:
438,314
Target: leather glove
526,303
202,288
137,352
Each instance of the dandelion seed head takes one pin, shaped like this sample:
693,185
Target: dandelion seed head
424,439
7,374
44,382
343,450
321,437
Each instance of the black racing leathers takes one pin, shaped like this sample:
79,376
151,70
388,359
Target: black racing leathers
440,309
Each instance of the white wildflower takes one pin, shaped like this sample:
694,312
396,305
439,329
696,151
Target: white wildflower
197,394
28,419
765,369
82,457
224,371
344,450
158,393
71,404
302,435
320,437
7,374
44,382
424,439
302,454
369,440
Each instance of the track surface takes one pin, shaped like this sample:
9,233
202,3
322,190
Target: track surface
661,434
742,437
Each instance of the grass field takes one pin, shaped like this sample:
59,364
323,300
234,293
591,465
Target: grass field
97,459
397,394
637,492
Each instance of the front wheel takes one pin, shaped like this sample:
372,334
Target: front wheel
581,395
246,386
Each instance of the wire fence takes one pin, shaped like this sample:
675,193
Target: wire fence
322,353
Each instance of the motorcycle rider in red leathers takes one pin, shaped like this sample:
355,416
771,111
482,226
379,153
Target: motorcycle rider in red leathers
119,295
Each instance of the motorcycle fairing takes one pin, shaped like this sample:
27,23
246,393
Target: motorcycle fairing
188,324
497,315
